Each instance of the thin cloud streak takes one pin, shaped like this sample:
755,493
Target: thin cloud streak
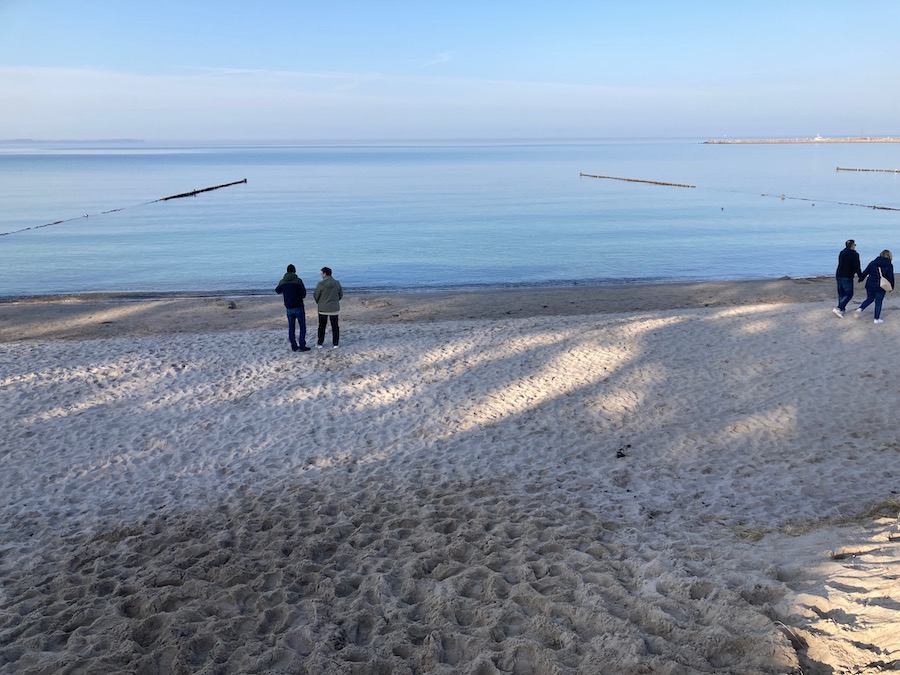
216,103
443,57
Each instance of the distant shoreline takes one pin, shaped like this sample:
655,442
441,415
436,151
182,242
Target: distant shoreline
65,141
781,141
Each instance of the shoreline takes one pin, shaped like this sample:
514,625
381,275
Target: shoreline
101,315
143,294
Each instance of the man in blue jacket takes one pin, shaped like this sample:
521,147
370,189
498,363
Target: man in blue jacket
882,266
292,292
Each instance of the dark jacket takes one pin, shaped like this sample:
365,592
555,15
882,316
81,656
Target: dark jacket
871,271
848,264
292,291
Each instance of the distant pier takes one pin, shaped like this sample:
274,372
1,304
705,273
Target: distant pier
841,168
785,141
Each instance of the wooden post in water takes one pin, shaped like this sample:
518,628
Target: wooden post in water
638,180
194,193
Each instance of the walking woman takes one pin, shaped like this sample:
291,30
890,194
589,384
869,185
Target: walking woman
875,270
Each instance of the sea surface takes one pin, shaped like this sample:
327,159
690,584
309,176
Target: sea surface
89,217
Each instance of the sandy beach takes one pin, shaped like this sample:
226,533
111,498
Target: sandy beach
678,478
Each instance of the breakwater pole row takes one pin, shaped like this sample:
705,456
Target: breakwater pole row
194,193
764,194
826,201
637,180
841,168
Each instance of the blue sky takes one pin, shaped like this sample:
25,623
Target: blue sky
447,70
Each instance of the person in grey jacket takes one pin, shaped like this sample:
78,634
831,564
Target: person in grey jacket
328,296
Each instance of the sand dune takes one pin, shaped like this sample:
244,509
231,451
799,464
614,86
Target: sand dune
472,484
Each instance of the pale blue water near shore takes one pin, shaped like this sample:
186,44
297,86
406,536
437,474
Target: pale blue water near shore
434,215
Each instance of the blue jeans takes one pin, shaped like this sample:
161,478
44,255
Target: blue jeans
877,296
298,316
844,291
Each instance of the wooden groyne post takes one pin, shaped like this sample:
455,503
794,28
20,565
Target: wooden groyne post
637,180
194,193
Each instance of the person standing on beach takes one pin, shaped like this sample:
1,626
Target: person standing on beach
293,291
847,268
328,296
880,267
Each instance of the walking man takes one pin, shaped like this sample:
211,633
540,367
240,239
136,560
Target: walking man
328,296
848,267
292,292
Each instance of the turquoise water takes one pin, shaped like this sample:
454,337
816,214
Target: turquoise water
433,215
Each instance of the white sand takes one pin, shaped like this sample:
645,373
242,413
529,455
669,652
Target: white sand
693,490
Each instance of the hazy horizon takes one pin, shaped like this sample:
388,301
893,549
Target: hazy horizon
403,141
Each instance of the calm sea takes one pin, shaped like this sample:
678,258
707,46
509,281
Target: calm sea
432,215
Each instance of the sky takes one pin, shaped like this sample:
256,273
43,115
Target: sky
430,69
